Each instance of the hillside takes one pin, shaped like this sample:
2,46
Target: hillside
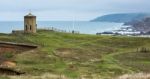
77,56
120,18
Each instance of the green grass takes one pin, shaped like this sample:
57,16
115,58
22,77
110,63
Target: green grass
137,61
106,56
4,77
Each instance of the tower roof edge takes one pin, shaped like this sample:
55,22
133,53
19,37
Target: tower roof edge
30,14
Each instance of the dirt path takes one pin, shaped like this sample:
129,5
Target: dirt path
135,76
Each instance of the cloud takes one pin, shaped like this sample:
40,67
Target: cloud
66,9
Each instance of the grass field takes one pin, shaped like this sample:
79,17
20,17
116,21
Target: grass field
80,55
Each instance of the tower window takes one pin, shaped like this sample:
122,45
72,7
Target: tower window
30,27
26,28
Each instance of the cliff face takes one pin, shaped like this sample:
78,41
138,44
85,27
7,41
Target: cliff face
143,26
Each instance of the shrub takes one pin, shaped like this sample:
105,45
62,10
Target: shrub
7,55
144,50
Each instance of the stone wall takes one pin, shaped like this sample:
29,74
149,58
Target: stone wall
14,47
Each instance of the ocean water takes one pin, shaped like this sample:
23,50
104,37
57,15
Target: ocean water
81,26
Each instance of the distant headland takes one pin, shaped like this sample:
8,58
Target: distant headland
121,17
137,23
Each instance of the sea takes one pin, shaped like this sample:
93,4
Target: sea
83,27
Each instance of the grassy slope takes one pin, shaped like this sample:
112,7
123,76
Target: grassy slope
76,55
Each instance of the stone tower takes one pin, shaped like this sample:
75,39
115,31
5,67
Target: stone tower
30,25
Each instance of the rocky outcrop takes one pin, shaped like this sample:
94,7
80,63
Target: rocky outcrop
143,26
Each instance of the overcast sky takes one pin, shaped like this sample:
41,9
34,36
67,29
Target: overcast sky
69,9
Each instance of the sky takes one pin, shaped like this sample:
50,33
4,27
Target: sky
66,10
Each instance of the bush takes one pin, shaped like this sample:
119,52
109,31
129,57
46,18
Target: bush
144,50
7,55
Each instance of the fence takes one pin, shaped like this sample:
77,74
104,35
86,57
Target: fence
58,30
